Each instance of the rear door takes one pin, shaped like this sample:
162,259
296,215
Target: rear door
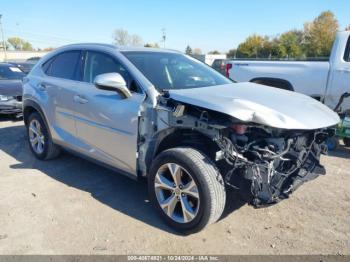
106,122
62,72
340,80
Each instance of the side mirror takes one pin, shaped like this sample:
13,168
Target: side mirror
112,82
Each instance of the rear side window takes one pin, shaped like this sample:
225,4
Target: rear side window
347,51
64,65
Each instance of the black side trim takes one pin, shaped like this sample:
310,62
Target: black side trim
347,51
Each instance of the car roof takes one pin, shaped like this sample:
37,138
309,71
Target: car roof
118,48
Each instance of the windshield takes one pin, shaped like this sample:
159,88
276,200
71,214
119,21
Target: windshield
175,71
10,73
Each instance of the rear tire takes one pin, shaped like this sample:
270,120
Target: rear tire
39,138
189,214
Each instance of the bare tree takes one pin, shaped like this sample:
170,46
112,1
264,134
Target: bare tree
347,28
136,40
122,37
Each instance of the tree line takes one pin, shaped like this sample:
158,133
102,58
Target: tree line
315,40
19,44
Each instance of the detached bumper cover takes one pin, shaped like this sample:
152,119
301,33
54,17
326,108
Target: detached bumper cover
10,107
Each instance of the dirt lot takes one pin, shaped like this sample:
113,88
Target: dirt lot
71,206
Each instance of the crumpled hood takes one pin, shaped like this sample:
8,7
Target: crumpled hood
261,104
11,87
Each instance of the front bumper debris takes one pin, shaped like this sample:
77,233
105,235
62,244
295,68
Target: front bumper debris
265,177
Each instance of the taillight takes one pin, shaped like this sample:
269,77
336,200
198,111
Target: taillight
228,67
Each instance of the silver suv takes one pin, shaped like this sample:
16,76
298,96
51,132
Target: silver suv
163,115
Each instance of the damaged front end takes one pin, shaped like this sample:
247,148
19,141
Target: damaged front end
264,163
268,164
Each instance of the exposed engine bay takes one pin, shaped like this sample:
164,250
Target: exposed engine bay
265,164
268,165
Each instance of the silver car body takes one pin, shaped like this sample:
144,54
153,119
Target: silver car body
102,125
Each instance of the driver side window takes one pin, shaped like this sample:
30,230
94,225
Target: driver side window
97,63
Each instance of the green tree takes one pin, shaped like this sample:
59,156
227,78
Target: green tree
290,44
252,46
19,44
214,52
27,46
274,46
232,53
188,50
153,45
320,35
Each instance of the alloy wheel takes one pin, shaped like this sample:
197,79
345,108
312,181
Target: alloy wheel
36,137
177,193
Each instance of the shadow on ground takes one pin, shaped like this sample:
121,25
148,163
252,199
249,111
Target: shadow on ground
342,152
12,118
117,191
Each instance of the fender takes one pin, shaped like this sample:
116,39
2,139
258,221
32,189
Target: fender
28,107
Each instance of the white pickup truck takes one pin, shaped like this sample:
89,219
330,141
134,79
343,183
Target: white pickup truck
326,81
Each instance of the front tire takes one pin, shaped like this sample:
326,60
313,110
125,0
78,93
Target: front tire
186,189
39,138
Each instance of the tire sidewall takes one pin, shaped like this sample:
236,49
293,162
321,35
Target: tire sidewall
37,117
203,215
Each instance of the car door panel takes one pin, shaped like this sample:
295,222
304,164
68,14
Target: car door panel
106,122
107,125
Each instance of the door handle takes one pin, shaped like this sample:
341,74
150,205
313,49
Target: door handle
80,99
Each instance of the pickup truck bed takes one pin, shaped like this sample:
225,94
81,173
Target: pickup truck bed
309,78
326,81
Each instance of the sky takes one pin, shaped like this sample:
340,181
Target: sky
208,25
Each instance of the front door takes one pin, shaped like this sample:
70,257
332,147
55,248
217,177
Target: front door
106,122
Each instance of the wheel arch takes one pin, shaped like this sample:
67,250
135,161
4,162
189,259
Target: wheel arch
29,107
274,82
177,137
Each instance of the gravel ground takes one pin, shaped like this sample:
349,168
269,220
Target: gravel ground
71,206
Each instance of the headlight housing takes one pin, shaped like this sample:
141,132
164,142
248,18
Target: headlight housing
6,98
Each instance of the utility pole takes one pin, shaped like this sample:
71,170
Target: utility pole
3,39
163,36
